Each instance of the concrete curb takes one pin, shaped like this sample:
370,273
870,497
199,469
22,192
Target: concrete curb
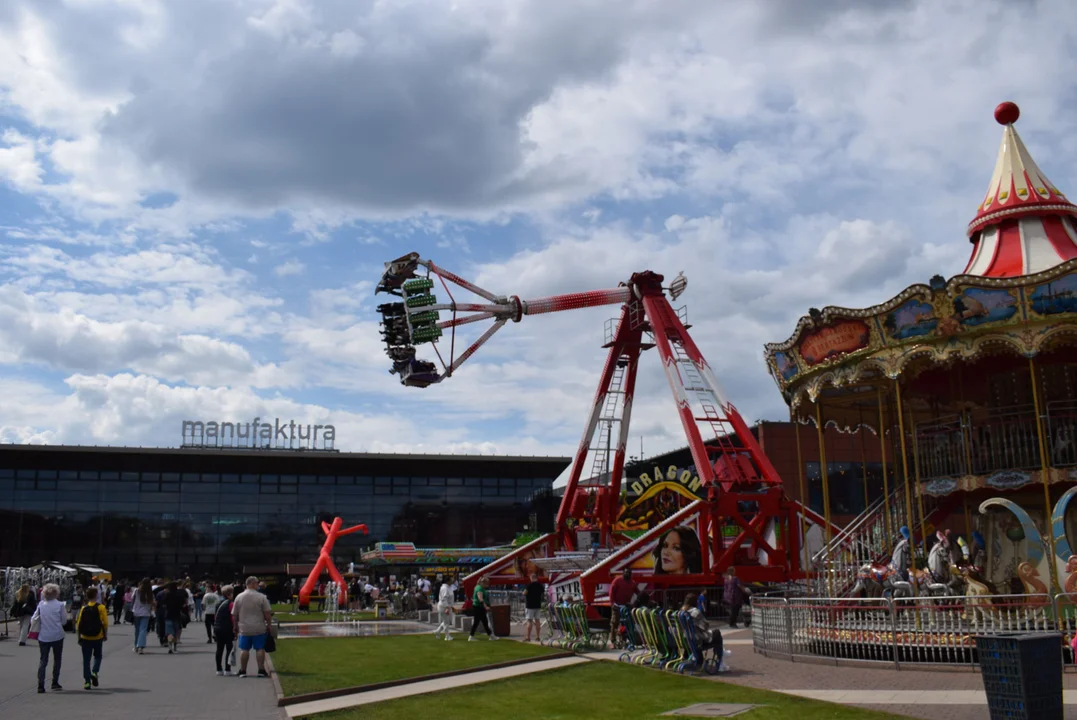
283,701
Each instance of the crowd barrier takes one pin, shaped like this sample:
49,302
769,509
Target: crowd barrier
907,631
569,628
667,639
513,598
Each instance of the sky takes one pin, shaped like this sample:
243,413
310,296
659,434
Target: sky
197,198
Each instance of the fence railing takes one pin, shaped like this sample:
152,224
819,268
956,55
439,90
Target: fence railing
513,598
908,631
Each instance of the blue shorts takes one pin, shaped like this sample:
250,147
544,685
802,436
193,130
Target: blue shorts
171,626
252,642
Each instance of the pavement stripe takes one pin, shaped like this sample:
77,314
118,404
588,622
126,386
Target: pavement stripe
906,697
427,686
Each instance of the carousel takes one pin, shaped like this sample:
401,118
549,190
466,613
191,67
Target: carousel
963,393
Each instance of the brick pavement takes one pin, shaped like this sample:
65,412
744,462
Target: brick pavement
758,671
155,685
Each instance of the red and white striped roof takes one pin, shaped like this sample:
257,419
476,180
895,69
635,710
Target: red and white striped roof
1025,224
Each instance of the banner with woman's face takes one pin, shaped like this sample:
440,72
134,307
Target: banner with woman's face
677,551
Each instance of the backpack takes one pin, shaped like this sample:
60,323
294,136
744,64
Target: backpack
90,622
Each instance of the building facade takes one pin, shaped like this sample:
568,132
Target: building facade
169,511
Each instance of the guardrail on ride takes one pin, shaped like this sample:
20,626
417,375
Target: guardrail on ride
911,631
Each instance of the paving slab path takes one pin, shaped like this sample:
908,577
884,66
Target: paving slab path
156,685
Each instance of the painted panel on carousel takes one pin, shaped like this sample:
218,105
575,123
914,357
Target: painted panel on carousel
786,365
1055,297
653,497
978,306
939,486
910,319
840,338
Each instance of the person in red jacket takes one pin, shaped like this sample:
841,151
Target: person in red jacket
622,594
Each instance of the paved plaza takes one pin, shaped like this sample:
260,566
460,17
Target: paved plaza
184,686
928,694
156,685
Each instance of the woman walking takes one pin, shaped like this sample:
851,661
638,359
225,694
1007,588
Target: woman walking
223,630
210,601
23,609
51,616
480,604
143,607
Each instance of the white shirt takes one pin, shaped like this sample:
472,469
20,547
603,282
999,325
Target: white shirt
53,615
209,603
446,596
424,585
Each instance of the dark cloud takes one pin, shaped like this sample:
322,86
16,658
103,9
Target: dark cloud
435,123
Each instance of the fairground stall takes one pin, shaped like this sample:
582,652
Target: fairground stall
967,386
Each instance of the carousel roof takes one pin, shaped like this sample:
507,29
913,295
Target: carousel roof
1025,224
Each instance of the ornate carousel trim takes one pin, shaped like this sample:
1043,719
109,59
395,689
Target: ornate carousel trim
944,321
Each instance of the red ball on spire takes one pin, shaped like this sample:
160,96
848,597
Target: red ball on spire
1007,113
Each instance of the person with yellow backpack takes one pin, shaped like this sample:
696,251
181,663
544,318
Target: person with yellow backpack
92,628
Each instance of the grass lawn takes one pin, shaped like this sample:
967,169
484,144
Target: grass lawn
598,689
313,664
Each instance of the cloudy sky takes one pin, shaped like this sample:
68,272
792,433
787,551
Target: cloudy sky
196,197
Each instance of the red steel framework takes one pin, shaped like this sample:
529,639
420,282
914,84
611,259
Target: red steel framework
746,521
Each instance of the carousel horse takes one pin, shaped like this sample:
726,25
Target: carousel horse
939,564
1030,579
877,581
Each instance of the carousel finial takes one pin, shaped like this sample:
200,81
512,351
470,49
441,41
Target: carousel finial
1007,113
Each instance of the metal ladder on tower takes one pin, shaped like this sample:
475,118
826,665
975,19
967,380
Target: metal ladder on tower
612,413
705,401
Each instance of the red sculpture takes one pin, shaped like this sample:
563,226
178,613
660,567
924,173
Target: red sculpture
325,562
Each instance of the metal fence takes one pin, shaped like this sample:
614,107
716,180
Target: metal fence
908,631
513,598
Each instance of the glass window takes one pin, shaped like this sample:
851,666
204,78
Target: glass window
308,479
110,476
68,475
506,483
383,491
26,474
5,473
229,478
267,489
87,474
170,477
505,492
289,489
24,484
489,491
249,479
437,481
454,482
46,484
401,482
151,477
269,480
46,474
486,482
289,479
170,487
366,482
419,482
383,481
211,478
190,477
327,479
129,476
401,490
75,485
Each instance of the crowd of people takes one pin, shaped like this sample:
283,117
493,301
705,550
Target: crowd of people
235,621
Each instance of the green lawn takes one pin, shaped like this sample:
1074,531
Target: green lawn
313,664
598,689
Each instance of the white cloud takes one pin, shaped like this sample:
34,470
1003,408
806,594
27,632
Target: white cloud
290,267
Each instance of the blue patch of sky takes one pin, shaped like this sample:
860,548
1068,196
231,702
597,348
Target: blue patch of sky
159,200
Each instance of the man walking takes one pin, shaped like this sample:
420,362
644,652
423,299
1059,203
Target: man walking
209,609
533,607
251,616
92,628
